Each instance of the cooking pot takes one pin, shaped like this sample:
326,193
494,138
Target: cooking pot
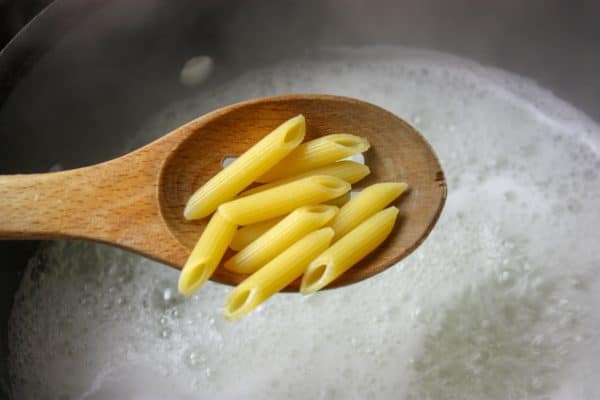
80,78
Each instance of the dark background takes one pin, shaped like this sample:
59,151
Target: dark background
16,13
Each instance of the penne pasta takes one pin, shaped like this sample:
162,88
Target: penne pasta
207,254
281,236
276,275
283,199
246,168
339,201
349,250
349,171
368,201
279,228
249,233
316,153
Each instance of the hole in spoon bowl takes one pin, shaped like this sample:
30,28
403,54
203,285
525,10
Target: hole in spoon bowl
228,160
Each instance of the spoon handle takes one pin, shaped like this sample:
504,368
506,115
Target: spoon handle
90,202
47,206
114,202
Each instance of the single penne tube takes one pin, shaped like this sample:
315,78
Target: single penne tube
249,233
339,201
207,254
349,171
349,250
252,164
366,203
317,153
283,199
281,236
277,274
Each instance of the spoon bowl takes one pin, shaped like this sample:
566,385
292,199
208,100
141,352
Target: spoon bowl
136,201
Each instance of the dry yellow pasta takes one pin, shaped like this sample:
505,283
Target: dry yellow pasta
349,250
281,236
339,201
276,275
207,254
246,168
366,203
283,199
249,233
317,153
349,171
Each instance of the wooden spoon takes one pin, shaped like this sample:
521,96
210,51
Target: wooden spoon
136,201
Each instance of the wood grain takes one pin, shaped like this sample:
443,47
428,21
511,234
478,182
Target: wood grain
136,201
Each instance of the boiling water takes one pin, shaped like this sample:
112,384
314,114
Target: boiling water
500,302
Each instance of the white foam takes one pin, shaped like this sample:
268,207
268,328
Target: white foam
500,302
